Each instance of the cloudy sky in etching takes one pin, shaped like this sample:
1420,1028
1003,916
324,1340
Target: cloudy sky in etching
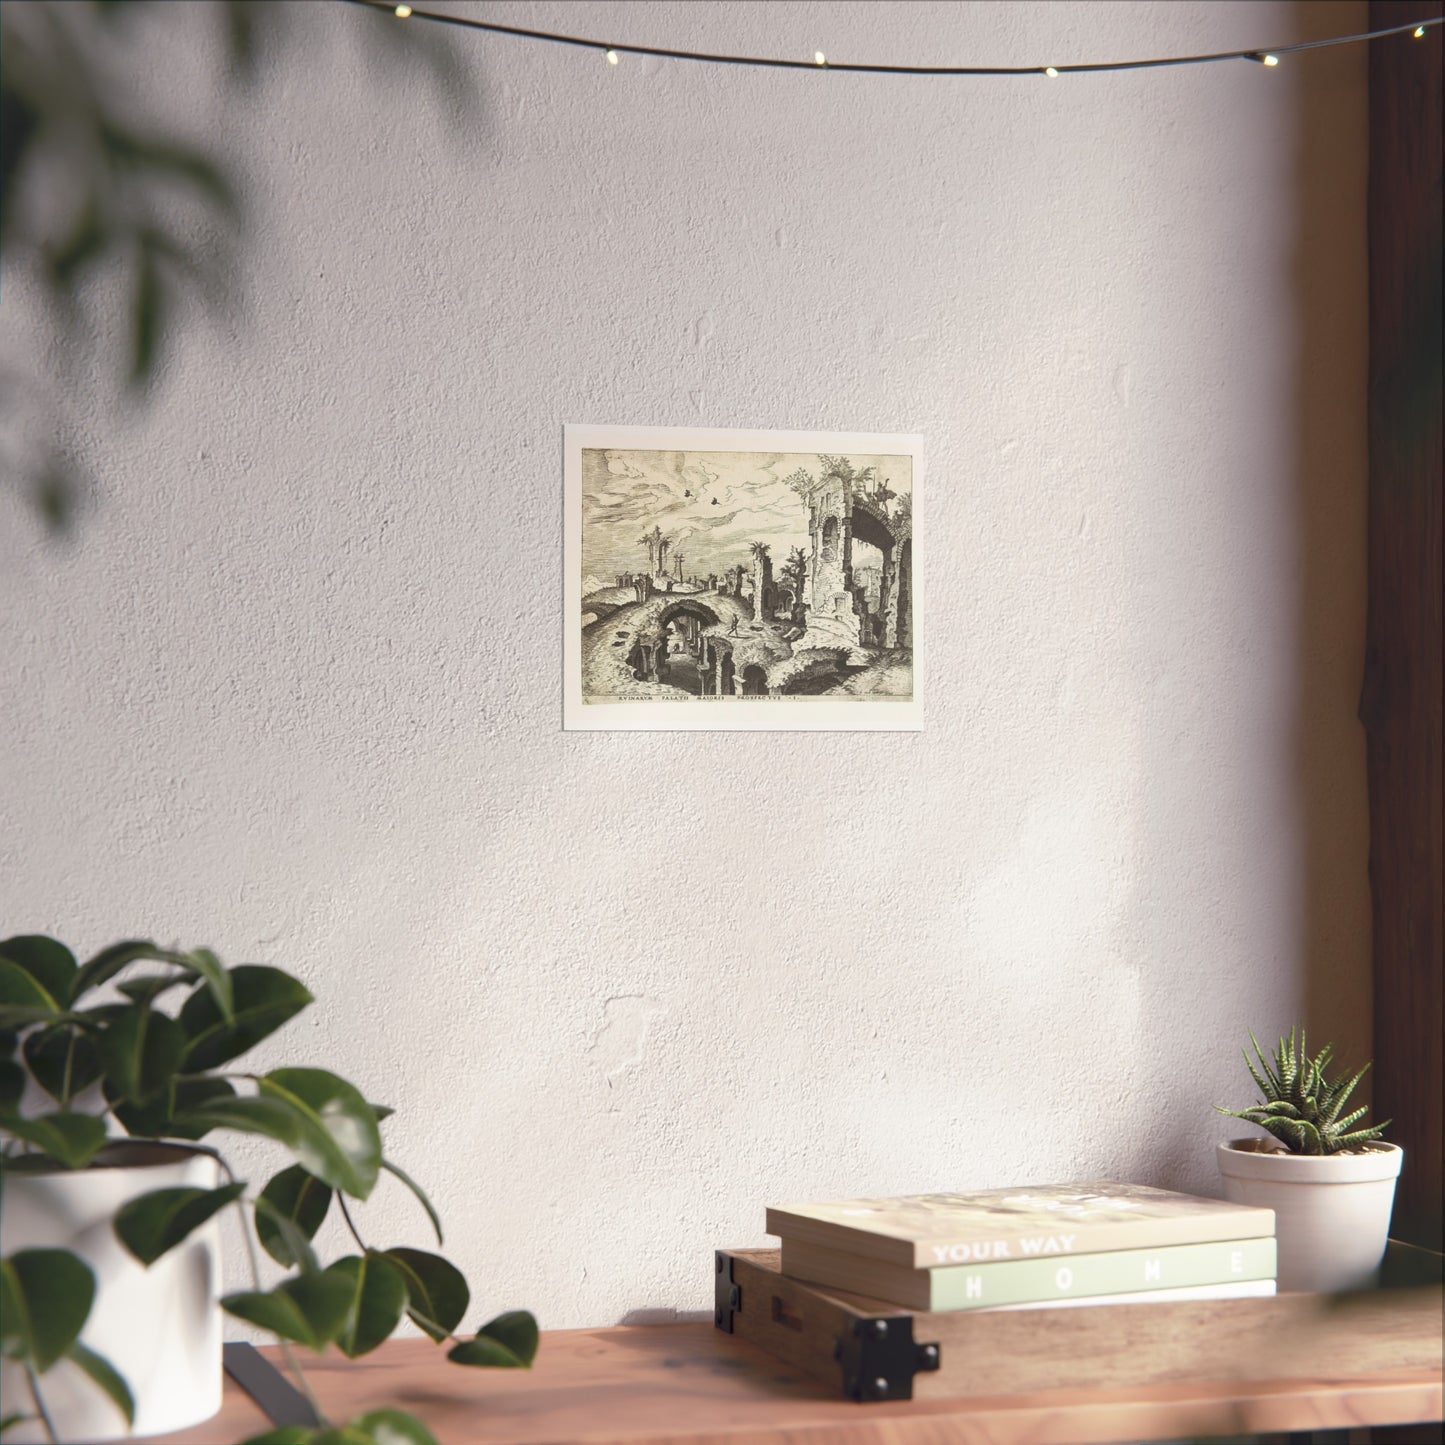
712,504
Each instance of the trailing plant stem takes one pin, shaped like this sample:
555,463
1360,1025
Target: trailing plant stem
69,1069
292,1363
346,1215
40,1409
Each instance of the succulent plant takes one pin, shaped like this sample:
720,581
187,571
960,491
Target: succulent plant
1301,1108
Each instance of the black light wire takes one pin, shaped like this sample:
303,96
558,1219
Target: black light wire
611,49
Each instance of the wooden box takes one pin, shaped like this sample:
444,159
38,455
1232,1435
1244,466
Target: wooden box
871,1350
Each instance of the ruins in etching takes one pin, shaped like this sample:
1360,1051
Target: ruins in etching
711,576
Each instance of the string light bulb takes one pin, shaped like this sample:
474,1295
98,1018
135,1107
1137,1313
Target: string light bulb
402,11
1418,32
819,58
1051,72
1271,60
612,57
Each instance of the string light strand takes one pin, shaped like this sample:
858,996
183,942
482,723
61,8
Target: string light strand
611,49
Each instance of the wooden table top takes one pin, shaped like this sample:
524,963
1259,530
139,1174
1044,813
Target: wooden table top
692,1384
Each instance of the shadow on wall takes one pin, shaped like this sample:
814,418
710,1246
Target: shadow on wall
91,186
1325,908
1331,304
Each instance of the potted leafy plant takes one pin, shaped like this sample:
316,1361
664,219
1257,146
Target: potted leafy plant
1331,1185
110,1196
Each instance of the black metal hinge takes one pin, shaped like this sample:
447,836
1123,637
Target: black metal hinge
727,1296
880,1358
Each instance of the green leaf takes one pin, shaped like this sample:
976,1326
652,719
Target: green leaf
148,989
142,1121
284,1435
12,1086
45,1299
296,1196
104,1374
378,1296
109,962
151,1224
96,1019
14,1323
50,964
11,1421
341,1435
326,1126
187,1094
210,968
1338,1126
416,1189
1360,1136
141,1051
507,1342
64,1061
73,1139
310,1310
295,1243
517,1330
340,1143
392,1427
164,1116
382,1111
268,1117
23,999
437,1293
264,998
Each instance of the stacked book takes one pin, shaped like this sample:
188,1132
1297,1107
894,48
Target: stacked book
1031,1247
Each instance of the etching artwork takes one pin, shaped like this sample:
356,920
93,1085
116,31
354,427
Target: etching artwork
717,579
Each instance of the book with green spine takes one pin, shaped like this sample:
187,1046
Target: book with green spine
923,1231
1034,1281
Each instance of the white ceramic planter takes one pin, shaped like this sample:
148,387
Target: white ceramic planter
1331,1212
160,1327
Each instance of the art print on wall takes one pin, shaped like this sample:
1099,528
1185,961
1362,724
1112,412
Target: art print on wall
741,579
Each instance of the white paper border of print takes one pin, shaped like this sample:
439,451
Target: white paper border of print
793,714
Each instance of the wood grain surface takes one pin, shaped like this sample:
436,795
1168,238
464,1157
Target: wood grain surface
694,1385
1273,1340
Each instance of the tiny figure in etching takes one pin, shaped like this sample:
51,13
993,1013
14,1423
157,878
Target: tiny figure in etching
733,628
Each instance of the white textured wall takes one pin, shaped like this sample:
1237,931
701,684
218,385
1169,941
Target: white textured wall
293,690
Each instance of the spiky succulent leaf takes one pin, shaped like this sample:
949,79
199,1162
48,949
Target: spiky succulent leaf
1285,1067
1346,1088
1259,1083
1360,1136
1338,1126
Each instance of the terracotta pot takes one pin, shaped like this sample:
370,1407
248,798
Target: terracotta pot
1331,1211
160,1327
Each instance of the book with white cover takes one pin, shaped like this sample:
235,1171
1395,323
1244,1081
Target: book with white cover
924,1231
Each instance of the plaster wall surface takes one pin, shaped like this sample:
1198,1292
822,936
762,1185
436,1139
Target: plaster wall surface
291,688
